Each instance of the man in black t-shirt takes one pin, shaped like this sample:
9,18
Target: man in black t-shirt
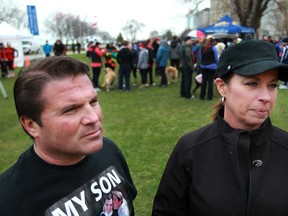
70,167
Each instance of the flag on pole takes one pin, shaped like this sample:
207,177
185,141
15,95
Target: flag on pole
32,17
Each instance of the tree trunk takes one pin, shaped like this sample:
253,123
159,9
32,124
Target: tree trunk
250,12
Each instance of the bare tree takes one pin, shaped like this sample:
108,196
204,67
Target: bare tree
154,34
119,38
275,19
105,36
69,26
80,28
131,28
193,9
168,35
283,9
195,6
56,24
250,12
10,13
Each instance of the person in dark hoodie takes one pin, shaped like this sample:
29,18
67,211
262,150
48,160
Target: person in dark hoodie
162,61
187,61
59,48
125,60
175,53
148,45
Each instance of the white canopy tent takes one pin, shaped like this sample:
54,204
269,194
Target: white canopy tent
9,34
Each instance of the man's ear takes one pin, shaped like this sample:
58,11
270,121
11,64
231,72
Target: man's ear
30,126
221,86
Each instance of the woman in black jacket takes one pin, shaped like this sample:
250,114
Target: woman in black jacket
237,165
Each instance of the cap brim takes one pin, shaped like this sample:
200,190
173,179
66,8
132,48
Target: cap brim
263,66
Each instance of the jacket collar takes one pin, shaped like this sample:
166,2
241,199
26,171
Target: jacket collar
257,137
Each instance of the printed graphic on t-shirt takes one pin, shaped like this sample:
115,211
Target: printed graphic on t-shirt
104,195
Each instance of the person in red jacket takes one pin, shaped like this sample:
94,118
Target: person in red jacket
96,63
10,54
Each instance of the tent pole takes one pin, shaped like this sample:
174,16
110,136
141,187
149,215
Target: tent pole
3,90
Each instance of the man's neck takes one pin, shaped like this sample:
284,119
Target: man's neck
56,161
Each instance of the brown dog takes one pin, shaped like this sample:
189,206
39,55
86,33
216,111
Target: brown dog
172,74
109,79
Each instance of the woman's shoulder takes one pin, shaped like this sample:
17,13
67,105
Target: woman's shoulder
199,136
280,136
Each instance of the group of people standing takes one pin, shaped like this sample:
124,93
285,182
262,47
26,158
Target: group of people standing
201,58
153,56
140,56
7,56
58,48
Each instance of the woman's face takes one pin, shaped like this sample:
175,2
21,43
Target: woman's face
249,100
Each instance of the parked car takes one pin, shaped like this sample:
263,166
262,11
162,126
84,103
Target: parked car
30,47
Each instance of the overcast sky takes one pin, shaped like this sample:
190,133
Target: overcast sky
112,15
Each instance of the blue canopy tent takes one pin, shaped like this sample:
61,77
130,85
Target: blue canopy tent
226,25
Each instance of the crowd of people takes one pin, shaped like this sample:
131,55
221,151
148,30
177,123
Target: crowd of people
191,57
148,59
145,60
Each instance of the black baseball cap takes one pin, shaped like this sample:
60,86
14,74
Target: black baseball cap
249,58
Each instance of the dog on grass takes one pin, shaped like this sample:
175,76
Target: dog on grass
109,79
172,74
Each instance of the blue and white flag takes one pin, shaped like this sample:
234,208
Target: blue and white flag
32,17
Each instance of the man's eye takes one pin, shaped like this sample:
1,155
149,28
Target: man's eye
94,102
69,110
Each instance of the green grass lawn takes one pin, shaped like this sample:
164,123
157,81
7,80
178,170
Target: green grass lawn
145,123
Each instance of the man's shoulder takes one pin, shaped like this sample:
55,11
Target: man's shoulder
109,148
11,174
108,141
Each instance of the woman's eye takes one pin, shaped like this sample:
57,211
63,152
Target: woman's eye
273,85
251,84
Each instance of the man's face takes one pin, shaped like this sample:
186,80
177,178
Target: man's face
108,206
71,120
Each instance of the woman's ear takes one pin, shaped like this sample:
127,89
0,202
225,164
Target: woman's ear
30,126
221,86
